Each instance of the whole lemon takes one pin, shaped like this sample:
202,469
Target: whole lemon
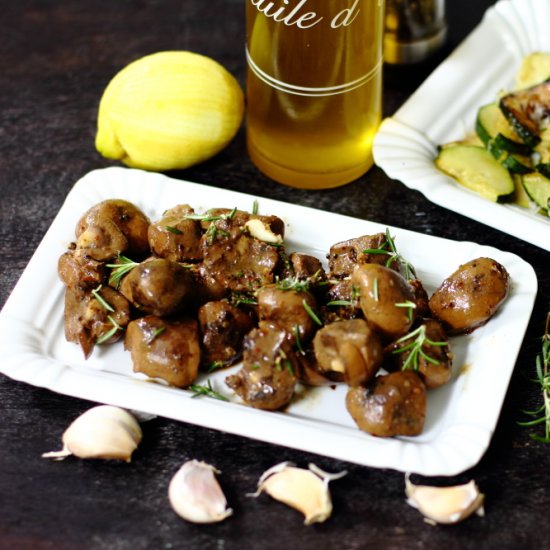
168,110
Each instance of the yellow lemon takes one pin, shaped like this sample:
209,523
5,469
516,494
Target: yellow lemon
169,110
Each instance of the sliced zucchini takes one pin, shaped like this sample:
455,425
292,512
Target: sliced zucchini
528,111
496,133
543,168
521,198
517,164
534,68
538,189
475,168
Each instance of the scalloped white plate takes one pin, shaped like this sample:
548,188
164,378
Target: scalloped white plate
444,107
461,416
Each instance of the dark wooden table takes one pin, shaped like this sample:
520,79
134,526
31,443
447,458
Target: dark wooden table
55,60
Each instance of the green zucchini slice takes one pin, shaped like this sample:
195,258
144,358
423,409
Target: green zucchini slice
495,131
538,189
528,111
475,168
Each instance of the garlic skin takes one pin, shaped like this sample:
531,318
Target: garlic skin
104,431
195,494
261,231
445,505
305,490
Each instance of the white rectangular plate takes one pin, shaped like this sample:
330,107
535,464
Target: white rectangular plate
461,416
444,108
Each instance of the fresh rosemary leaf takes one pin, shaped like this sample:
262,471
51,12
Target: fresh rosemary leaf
104,304
206,390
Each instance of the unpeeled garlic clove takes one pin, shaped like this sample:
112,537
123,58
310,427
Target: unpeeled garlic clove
305,490
195,494
101,432
445,504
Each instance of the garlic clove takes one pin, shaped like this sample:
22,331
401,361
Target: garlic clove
304,490
445,505
101,432
195,494
261,231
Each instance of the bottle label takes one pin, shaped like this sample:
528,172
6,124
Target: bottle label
299,15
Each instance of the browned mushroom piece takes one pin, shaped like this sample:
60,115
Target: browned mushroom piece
310,373
268,376
434,364
345,256
165,350
287,310
386,298
306,267
76,269
240,218
113,227
175,236
341,302
222,327
421,298
392,404
235,259
158,287
349,348
97,317
471,295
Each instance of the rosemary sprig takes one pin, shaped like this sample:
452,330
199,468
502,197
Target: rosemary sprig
206,390
294,283
105,337
542,363
121,268
102,302
393,256
419,340
312,314
410,306
154,335
352,302
255,207
298,339
208,217
215,365
173,230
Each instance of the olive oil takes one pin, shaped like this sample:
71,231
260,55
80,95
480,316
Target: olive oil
313,88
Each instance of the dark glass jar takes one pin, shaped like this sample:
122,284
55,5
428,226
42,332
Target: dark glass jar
413,29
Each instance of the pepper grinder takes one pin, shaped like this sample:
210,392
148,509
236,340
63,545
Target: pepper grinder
414,29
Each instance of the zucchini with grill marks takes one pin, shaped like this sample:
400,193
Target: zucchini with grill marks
528,112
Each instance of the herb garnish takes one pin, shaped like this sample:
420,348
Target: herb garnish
393,256
152,337
104,304
255,207
208,217
298,340
542,363
215,365
415,347
124,266
173,230
311,313
206,390
110,333
411,306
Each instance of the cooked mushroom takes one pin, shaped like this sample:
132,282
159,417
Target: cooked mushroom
175,236
431,357
235,259
76,269
287,310
349,348
222,328
95,317
341,302
345,256
113,227
471,295
386,298
268,376
392,404
158,286
168,350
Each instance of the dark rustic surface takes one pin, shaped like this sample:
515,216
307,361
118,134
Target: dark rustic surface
55,59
